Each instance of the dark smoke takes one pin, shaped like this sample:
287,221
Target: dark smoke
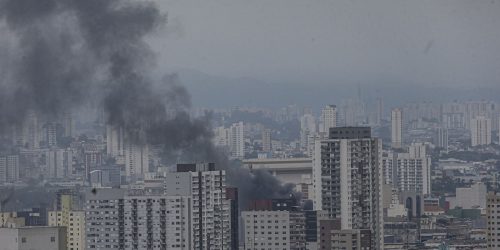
58,55
260,184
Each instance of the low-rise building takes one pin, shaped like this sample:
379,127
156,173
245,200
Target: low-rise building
33,238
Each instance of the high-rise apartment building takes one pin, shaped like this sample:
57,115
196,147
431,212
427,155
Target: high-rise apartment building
58,163
266,140
68,124
232,197
115,141
380,111
72,219
328,118
396,128
348,180
50,134
9,168
104,219
480,129
442,138
408,172
135,157
211,209
136,161
119,219
493,220
237,140
31,131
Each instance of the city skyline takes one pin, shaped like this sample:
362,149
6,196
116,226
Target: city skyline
249,125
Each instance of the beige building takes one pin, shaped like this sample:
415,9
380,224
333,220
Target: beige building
10,219
73,220
333,238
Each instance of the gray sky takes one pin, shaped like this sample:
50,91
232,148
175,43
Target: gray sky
336,41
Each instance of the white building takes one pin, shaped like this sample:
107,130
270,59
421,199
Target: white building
210,216
221,137
157,222
58,163
237,140
396,128
117,219
328,118
348,181
135,157
308,123
307,129
408,172
50,134
480,129
68,124
136,161
442,138
115,141
233,139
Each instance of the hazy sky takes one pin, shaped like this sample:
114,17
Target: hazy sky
359,41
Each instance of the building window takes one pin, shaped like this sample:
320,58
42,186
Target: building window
23,239
52,239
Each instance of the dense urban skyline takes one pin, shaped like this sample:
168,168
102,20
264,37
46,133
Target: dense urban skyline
277,125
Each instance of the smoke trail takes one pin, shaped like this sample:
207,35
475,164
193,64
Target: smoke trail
62,54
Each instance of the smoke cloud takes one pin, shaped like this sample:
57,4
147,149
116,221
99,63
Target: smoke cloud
57,55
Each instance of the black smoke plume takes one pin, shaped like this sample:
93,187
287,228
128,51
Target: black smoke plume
57,55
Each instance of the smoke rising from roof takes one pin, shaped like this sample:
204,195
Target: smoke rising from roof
58,55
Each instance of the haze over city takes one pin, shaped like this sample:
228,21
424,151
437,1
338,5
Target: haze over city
252,125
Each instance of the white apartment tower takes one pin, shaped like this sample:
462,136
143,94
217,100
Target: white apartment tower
237,140
328,118
135,157
210,218
115,141
119,219
480,129
68,124
408,172
396,128
59,163
136,160
50,134
442,138
348,180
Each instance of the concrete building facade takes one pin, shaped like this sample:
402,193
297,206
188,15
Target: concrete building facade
348,180
33,238
396,128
